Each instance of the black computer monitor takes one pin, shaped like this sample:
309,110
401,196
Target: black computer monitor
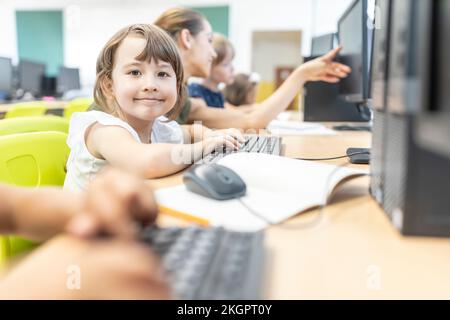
433,126
68,79
322,103
30,77
322,44
442,65
380,55
409,56
6,77
355,35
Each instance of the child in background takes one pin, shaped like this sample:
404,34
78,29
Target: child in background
192,33
241,93
221,73
139,80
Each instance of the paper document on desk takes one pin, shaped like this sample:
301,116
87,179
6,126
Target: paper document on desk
277,188
277,127
285,116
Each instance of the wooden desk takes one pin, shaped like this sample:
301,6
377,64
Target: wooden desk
354,252
54,107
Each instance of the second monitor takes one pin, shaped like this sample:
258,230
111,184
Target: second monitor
68,79
31,75
355,35
322,100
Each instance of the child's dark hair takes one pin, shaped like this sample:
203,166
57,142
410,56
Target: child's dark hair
159,46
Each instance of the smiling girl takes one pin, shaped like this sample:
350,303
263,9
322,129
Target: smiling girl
139,82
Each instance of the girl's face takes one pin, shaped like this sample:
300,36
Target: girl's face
143,90
202,52
224,71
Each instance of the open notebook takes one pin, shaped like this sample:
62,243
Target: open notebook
277,188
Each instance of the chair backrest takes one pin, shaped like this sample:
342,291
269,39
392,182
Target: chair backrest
33,124
33,160
28,109
77,105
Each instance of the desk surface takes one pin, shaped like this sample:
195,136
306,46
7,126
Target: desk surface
53,106
353,252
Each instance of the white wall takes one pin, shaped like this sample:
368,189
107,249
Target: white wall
88,24
325,15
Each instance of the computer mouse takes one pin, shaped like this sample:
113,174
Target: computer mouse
214,181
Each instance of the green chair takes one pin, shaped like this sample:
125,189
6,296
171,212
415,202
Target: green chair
28,109
33,124
77,105
31,160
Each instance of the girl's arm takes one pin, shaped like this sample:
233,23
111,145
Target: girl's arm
195,132
113,203
149,161
247,108
36,214
320,69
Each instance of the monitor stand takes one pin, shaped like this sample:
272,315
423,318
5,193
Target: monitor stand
362,109
352,127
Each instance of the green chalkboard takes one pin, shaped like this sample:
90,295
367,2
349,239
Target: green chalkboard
218,17
40,38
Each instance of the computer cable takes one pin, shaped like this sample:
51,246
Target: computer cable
334,158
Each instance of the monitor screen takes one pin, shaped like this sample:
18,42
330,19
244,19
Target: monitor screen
68,79
322,44
30,76
442,67
354,36
380,55
6,75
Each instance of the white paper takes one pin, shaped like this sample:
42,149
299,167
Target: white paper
277,188
277,127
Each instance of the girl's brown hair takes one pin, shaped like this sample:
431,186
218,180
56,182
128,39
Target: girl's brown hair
236,92
176,19
159,47
222,46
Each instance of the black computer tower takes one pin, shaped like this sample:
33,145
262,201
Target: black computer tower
410,177
380,64
417,181
377,156
322,104
48,86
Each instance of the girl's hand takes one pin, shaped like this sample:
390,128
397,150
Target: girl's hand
115,203
325,69
231,141
233,132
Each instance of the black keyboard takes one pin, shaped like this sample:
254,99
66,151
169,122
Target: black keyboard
210,263
259,144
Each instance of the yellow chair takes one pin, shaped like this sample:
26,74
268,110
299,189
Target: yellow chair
31,160
27,109
33,124
77,105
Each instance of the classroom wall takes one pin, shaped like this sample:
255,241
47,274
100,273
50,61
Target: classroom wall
88,24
